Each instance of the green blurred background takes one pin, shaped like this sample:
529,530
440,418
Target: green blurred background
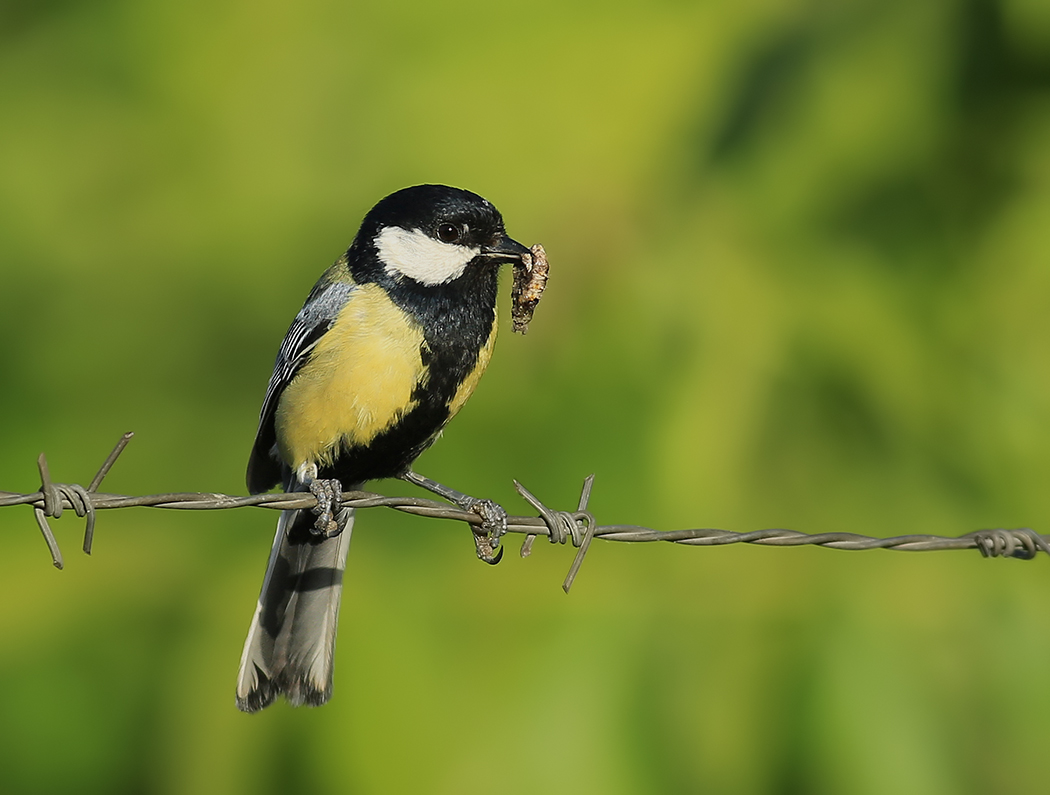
800,279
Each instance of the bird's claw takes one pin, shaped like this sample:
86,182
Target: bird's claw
327,493
487,534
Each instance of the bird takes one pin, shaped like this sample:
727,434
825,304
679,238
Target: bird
388,347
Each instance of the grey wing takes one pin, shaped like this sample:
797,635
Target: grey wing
313,322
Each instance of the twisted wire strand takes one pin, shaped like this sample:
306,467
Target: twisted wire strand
577,527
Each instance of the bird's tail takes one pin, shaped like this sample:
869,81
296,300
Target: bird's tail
291,643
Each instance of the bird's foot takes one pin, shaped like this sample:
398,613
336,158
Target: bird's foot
327,493
493,526
493,517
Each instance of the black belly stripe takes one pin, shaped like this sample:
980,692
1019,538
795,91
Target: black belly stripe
457,320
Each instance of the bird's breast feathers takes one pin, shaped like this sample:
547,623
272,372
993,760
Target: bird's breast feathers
362,378
358,382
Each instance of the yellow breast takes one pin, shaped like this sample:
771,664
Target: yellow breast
358,382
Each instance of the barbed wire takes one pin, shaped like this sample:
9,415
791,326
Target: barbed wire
578,527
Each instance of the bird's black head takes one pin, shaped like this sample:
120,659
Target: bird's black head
432,233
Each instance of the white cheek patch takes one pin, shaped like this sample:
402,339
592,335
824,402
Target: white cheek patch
411,253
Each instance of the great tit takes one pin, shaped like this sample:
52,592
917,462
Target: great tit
387,348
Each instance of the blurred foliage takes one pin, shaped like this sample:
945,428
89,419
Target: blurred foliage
800,279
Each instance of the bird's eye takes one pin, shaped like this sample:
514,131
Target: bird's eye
448,233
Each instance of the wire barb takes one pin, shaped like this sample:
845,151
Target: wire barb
111,459
1023,543
56,497
52,506
564,525
582,515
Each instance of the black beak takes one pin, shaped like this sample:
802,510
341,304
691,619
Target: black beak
507,250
